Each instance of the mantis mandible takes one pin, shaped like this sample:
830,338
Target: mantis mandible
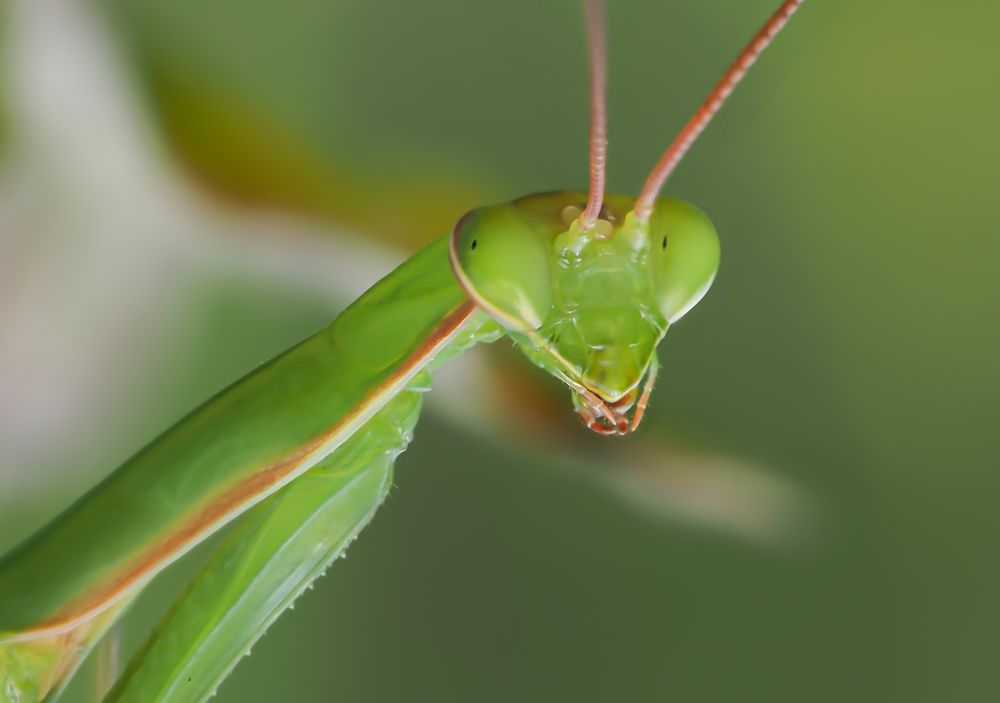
586,285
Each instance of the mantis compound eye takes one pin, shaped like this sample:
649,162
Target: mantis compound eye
685,253
503,264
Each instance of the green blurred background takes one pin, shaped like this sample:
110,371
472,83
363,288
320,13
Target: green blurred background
850,342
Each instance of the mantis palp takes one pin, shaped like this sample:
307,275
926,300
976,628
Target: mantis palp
585,284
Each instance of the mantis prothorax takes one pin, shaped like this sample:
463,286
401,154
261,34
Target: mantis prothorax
586,284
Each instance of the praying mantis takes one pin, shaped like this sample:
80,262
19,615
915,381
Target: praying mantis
586,284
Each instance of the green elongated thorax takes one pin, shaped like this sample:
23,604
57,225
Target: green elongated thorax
275,551
239,447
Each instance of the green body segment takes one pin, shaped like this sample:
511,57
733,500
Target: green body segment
242,445
277,549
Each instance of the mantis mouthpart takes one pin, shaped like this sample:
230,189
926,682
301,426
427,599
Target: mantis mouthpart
586,284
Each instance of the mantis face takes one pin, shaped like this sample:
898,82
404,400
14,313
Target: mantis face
587,283
588,306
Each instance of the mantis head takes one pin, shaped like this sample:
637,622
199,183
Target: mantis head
588,306
588,284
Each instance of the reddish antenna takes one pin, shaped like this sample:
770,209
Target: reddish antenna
696,125
597,45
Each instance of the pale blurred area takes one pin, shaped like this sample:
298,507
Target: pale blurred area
808,512
93,242
104,242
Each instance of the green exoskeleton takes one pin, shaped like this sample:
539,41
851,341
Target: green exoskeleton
587,285
588,305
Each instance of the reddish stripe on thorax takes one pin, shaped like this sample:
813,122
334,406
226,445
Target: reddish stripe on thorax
242,494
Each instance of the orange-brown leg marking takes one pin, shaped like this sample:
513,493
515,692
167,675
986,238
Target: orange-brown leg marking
647,390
